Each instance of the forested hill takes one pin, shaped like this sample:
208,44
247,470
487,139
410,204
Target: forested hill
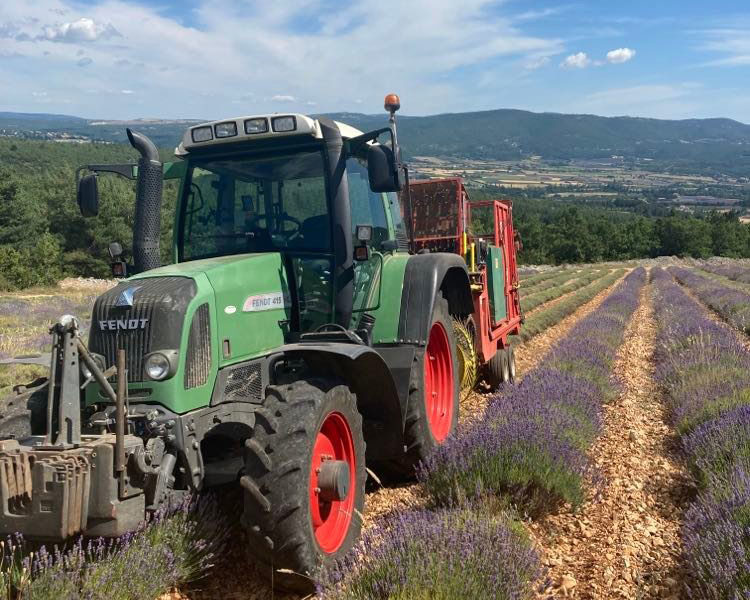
698,145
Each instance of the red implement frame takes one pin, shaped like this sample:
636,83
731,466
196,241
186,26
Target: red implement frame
442,222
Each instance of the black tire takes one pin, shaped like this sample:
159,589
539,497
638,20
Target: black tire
278,459
417,433
498,369
511,364
24,412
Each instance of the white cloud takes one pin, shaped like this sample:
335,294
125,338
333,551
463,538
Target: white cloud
127,92
283,98
537,62
733,42
39,94
620,55
82,30
579,60
443,49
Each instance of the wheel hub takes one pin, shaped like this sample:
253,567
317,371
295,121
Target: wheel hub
333,480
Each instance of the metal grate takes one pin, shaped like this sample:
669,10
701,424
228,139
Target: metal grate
160,301
244,384
198,361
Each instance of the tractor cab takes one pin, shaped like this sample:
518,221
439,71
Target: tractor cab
299,187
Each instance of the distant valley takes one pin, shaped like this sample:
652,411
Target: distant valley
708,146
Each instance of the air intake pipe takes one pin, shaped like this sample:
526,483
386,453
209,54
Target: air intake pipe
343,252
148,194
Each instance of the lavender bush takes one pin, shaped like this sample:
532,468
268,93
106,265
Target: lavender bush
531,446
705,371
172,547
731,303
703,366
736,272
441,555
716,536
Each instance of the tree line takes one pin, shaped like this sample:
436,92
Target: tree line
43,236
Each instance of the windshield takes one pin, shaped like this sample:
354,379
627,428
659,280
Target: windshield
255,204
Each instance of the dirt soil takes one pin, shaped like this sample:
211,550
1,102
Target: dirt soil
624,541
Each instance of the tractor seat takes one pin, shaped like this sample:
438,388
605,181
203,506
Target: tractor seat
315,232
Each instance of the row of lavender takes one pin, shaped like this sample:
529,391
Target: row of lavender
732,303
528,454
705,371
738,271
174,547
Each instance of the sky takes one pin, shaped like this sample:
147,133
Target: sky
211,59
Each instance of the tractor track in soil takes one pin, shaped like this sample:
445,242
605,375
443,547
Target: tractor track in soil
624,541
235,579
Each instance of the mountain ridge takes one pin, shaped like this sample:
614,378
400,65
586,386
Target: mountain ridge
714,144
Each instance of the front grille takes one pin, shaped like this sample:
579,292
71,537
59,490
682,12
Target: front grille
244,384
198,361
161,301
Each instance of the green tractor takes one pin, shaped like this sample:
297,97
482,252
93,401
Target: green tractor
293,340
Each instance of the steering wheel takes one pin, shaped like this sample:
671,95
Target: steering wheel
287,235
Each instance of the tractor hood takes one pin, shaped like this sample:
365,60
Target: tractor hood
250,296
214,312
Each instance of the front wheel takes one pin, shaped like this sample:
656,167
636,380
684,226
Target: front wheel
304,480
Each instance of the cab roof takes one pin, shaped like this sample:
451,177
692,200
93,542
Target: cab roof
255,127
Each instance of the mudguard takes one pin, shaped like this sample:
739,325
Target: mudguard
368,375
425,275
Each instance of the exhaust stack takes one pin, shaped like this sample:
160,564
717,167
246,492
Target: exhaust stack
148,195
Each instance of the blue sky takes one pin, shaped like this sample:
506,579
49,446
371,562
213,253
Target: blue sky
216,58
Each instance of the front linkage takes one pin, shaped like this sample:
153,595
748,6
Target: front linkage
99,482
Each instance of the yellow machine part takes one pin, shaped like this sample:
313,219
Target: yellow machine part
467,358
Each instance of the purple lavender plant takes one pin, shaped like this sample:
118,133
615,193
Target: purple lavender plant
718,447
442,555
531,446
172,547
731,303
716,535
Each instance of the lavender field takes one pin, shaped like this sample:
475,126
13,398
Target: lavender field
617,466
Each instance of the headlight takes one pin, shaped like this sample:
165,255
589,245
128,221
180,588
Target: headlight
224,130
202,134
161,365
282,124
256,126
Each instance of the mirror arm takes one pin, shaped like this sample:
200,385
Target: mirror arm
125,170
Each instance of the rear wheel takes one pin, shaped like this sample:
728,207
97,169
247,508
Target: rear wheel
498,369
511,364
304,479
432,410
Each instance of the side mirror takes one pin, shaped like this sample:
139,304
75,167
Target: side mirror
382,170
88,195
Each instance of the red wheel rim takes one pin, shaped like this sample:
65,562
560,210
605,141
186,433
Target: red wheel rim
438,383
331,520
